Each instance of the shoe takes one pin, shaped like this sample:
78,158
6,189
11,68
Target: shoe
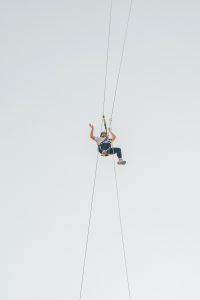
121,162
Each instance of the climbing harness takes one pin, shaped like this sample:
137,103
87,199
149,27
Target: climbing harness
97,158
107,141
104,152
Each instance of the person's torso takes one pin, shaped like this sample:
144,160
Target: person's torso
101,140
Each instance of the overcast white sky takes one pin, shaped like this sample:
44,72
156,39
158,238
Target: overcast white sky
52,58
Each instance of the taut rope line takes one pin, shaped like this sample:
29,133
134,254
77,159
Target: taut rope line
107,56
121,61
121,230
89,225
97,159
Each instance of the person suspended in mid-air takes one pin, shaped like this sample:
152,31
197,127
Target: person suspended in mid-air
105,144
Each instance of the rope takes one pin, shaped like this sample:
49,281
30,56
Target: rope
89,225
107,56
121,60
114,165
97,159
121,230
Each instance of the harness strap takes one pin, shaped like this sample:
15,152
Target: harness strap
104,122
106,150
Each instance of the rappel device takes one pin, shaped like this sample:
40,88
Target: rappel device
105,126
105,152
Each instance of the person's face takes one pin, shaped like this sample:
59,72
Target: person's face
103,134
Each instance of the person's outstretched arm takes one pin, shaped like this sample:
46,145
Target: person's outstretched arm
92,132
113,136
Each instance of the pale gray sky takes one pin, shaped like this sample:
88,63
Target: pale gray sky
52,60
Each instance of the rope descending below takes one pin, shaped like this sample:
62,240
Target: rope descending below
121,229
89,225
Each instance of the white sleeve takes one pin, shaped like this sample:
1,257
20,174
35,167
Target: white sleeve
96,138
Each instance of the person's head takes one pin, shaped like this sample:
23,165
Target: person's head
103,134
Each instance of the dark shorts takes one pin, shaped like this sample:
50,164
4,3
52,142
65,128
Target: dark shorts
110,149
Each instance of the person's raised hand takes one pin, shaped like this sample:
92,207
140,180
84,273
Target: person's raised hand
91,126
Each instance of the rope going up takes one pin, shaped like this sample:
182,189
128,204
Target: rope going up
121,61
97,158
107,56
